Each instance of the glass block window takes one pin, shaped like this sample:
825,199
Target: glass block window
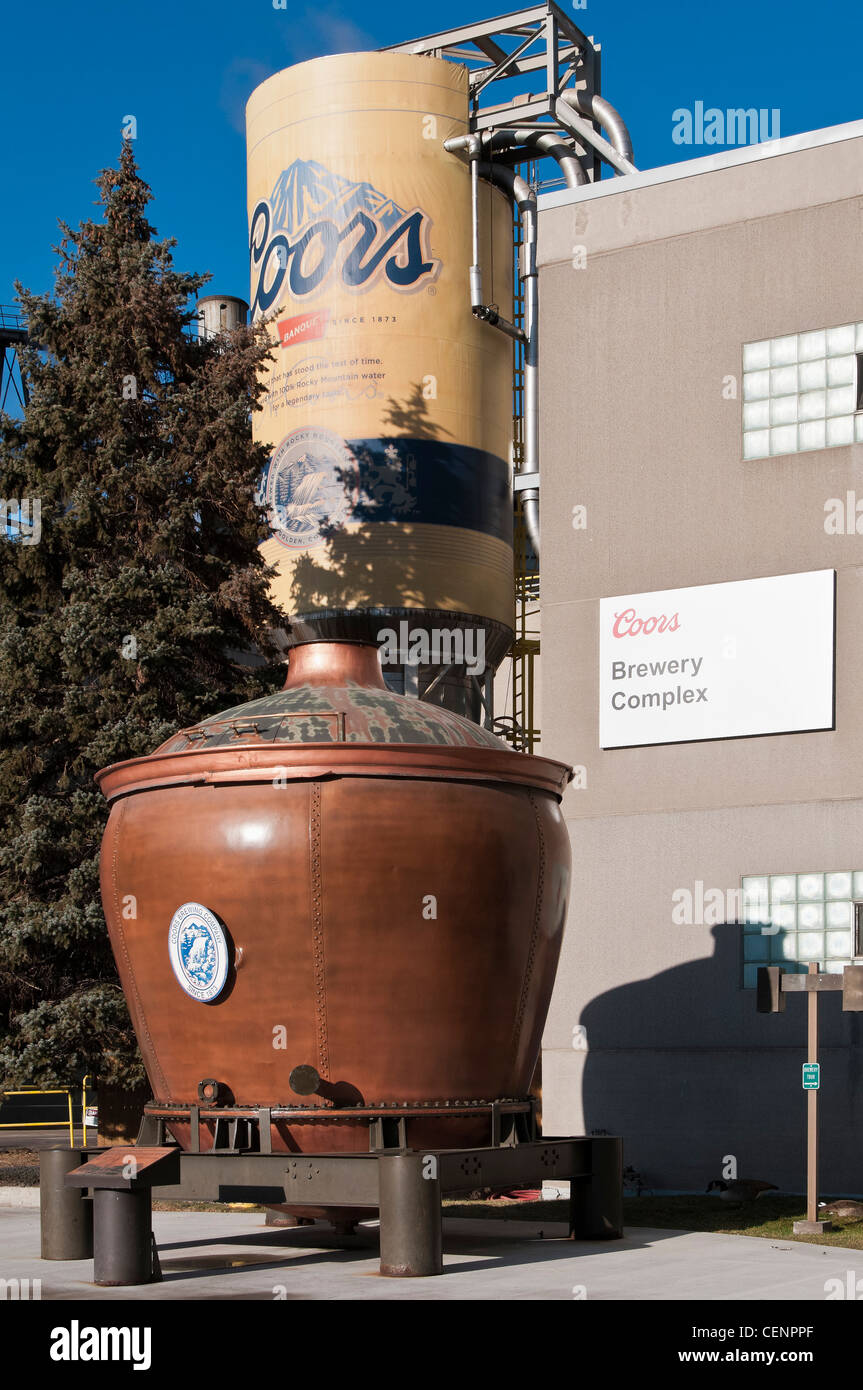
790,919
803,391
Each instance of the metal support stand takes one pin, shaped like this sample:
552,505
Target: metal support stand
596,1207
123,1248
66,1212
410,1207
123,1240
404,1185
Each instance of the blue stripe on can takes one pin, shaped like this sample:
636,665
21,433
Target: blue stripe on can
430,482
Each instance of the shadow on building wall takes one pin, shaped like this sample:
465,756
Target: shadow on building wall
683,1066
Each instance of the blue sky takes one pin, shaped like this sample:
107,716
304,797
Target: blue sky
184,70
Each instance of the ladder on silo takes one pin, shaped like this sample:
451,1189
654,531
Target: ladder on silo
525,649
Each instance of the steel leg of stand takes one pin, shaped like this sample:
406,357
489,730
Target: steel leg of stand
66,1213
122,1237
410,1216
596,1203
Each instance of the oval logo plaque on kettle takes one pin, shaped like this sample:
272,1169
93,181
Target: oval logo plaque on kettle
198,951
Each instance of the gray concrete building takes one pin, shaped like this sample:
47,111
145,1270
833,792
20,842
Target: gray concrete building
702,343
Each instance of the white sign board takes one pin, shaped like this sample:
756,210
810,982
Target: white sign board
755,656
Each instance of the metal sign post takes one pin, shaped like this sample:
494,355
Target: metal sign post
773,985
812,1226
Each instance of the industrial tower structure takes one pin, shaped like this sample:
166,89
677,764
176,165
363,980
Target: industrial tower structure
536,122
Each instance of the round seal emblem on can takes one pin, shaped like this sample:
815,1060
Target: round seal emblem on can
307,485
198,950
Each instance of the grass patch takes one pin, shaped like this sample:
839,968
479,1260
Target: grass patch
769,1217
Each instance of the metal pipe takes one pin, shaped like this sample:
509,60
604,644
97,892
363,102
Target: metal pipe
525,201
472,147
475,271
596,1206
530,512
609,118
530,279
514,138
548,142
605,115
66,1212
572,167
410,1208
490,315
123,1251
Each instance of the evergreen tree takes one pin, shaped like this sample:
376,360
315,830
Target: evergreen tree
133,613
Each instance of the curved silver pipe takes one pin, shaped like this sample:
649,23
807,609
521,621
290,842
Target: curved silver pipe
517,187
550,144
605,115
530,512
463,144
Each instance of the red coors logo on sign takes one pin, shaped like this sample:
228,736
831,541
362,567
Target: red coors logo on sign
628,624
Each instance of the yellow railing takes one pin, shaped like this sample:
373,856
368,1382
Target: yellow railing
42,1124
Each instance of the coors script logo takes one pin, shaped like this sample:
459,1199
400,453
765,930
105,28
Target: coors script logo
316,224
628,624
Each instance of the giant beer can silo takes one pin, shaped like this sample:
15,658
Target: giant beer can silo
389,407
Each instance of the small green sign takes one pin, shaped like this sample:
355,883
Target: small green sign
811,1076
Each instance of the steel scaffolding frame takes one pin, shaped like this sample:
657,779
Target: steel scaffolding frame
539,41
13,336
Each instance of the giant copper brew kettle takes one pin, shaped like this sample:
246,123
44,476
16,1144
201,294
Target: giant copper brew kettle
336,904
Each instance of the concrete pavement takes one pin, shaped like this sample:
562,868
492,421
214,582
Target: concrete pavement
52,1137
214,1255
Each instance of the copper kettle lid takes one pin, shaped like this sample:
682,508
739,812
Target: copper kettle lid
334,693
334,717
